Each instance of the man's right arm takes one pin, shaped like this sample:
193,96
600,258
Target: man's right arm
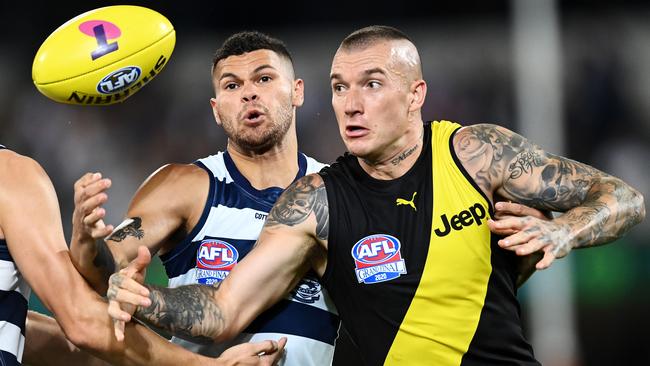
287,247
163,209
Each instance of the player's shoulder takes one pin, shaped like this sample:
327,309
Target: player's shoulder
313,180
14,166
176,176
481,128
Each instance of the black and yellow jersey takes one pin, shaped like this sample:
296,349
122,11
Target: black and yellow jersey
413,269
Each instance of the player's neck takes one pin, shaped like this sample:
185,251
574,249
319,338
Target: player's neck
276,167
398,160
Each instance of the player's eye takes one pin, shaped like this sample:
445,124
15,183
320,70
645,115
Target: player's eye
230,86
338,88
374,84
265,79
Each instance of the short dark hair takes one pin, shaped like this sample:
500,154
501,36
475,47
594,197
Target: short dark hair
367,36
249,41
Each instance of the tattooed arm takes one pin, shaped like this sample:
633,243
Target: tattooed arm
164,209
291,242
598,208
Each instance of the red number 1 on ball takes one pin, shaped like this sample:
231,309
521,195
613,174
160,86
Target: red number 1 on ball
103,47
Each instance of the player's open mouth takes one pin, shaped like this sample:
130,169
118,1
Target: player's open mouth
355,131
253,116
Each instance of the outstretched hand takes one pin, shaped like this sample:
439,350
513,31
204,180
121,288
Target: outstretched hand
126,291
259,353
88,216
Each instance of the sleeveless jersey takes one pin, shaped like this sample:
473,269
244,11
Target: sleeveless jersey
232,219
416,275
14,295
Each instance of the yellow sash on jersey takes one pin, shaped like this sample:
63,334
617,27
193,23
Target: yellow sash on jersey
444,313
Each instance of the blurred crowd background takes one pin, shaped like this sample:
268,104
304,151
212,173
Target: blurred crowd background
469,65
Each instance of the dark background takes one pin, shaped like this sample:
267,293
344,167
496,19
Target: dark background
466,49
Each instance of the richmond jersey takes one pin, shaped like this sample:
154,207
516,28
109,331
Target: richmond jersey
14,294
417,277
232,219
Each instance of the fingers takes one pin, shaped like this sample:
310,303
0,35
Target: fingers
88,202
273,351
504,209
264,347
126,289
497,228
118,315
140,262
118,327
509,225
548,258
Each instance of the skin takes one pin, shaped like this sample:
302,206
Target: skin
377,96
30,223
170,202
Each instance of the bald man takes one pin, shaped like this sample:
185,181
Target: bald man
399,230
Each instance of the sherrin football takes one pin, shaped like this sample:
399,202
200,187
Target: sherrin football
103,56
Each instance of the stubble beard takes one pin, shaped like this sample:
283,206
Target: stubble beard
262,138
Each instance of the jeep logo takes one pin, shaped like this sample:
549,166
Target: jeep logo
464,218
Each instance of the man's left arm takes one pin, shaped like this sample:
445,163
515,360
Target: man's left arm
598,208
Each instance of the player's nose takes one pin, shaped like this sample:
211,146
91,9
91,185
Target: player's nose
249,93
353,102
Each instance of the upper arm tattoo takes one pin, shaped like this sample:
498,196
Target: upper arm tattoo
503,160
294,206
129,227
600,207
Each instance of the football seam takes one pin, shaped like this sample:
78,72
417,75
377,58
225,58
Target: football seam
112,63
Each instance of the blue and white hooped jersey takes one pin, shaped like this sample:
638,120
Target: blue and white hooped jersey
232,220
14,294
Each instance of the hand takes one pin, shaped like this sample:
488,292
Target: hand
87,218
260,353
504,210
126,291
529,234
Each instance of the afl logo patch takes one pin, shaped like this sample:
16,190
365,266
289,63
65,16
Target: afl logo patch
214,261
377,258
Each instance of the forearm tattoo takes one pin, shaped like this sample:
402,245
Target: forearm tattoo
599,208
189,312
129,227
294,206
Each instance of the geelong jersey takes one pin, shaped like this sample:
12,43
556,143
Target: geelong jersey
14,294
416,275
232,219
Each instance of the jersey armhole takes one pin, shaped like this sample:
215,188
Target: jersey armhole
327,274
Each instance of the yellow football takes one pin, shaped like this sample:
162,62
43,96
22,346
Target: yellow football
103,56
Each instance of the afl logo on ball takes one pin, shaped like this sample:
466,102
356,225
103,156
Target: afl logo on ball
119,80
377,258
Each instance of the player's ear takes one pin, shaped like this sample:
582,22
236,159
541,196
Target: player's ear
215,110
418,92
298,93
